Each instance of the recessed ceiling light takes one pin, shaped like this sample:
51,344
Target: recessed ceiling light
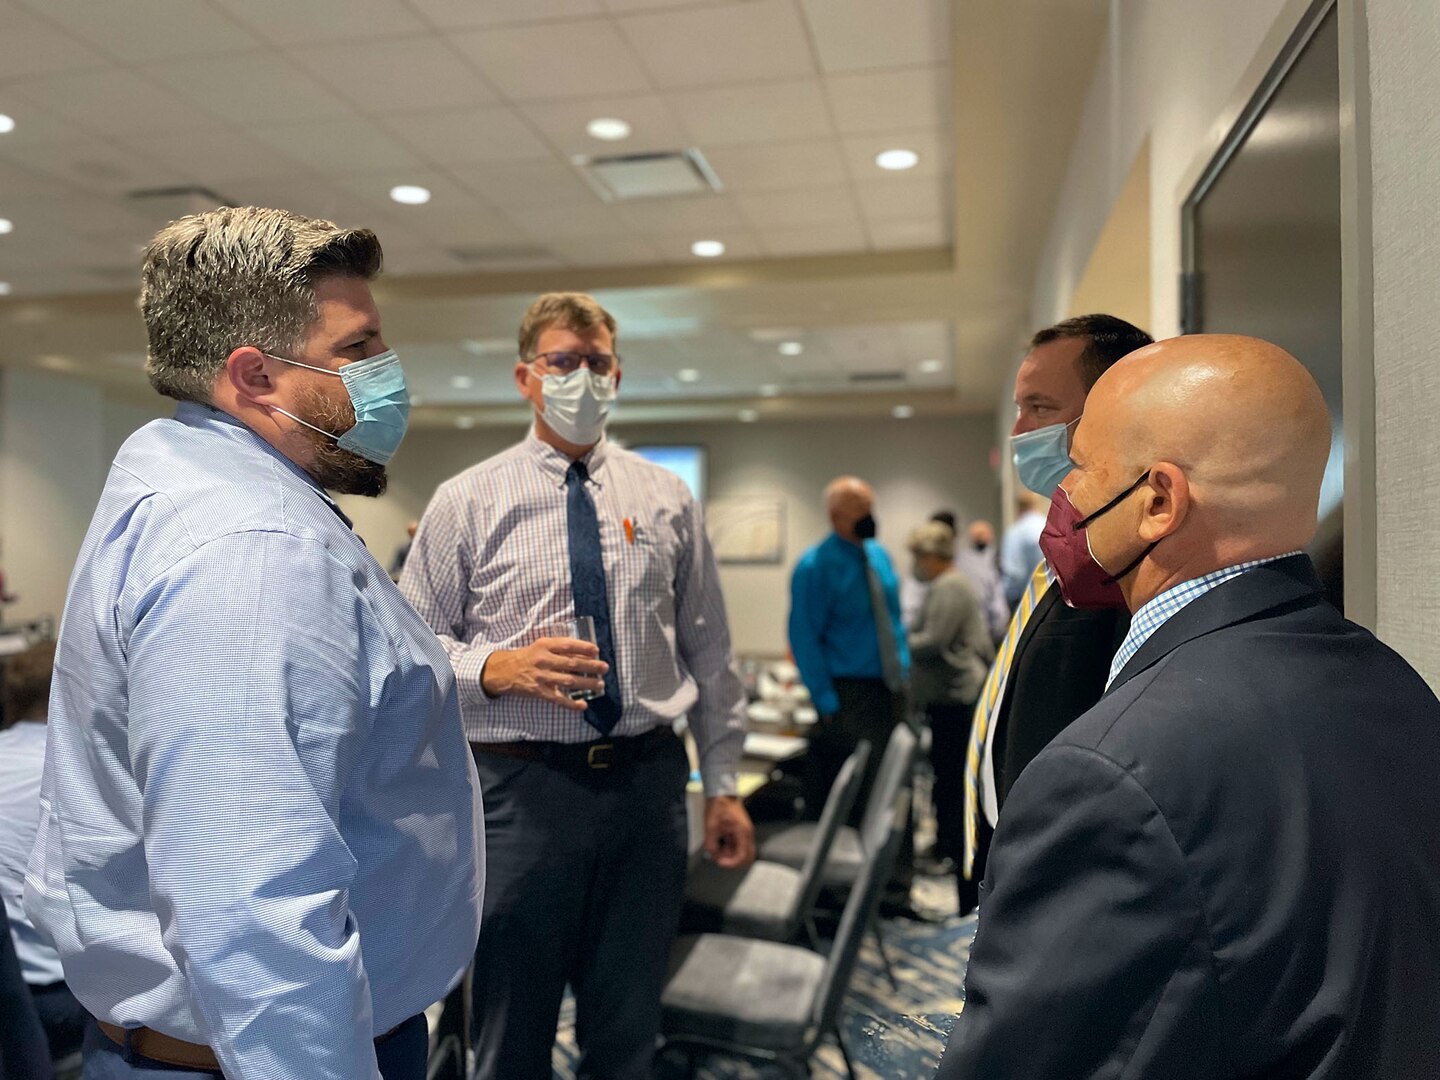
769,390
416,401
903,412
931,367
608,128
748,416
7,125
707,249
462,382
55,362
688,374
896,160
410,194
489,346
4,288
6,225
465,423
791,348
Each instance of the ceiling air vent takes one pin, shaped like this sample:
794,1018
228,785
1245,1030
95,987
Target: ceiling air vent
618,177
876,376
160,206
502,253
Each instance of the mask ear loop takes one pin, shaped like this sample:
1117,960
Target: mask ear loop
1115,579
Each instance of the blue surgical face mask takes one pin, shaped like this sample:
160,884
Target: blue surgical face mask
376,386
1042,457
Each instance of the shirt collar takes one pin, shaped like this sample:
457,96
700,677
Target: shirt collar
1170,603
199,415
556,465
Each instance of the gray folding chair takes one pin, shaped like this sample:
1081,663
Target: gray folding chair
790,842
770,1002
771,900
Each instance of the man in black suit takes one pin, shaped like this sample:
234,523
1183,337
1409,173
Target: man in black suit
1057,666
1231,865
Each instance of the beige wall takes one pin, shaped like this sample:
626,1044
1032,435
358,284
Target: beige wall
917,466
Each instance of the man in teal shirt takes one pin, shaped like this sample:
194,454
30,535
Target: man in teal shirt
854,663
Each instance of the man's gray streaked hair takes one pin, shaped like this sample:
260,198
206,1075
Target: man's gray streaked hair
238,276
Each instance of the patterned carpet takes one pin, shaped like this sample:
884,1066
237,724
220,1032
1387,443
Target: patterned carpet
892,1034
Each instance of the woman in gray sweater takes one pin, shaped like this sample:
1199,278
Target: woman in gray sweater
950,654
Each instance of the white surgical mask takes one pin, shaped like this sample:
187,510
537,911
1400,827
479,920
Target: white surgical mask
577,405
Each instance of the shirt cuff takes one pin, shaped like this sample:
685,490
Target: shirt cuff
469,673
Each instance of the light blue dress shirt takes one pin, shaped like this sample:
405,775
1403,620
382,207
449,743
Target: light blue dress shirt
832,623
260,823
22,762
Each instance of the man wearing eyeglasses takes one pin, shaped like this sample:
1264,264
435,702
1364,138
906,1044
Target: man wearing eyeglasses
583,777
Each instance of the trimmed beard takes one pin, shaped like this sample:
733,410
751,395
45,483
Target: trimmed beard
332,466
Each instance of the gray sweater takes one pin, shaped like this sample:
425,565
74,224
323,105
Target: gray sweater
950,646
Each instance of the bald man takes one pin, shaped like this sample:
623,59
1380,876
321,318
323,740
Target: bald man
849,644
1230,866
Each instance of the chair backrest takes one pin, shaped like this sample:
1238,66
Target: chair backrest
837,809
859,910
893,774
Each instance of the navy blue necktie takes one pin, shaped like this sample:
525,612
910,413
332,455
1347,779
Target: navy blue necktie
587,581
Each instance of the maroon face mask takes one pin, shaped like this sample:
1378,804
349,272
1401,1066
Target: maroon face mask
1084,583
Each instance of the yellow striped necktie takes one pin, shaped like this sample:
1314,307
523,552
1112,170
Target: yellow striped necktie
987,708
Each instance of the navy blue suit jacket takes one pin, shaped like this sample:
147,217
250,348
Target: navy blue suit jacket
1229,867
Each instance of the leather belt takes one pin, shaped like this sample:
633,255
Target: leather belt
600,754
157,1046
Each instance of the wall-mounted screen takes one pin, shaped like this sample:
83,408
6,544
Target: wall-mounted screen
686,462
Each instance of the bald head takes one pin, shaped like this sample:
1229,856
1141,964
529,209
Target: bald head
847,500
1234,434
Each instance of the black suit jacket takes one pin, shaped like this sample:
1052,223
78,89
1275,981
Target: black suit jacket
1061,663
1230,867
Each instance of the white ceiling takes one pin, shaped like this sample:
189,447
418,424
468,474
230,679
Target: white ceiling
321,106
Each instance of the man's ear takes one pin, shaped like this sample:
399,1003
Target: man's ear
1168,502
246,371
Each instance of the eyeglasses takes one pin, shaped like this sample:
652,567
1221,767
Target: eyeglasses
563,363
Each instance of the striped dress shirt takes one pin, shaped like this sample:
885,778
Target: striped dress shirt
490,570
260,824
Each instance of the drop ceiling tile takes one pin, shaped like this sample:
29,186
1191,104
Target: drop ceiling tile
252,88
832,239
112,101
312,196
405,74
931,144
140,30
654,125
23,176
662,217
733,43
757,113
463,136
551,61
343,146
31,46
100,166
877,101
451,14
288,22
908,234
857,35
558,223
608,251
905,197
212,155
802,206
777,166
523,184
626,7
34,124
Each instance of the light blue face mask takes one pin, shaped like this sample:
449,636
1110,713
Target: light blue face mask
1042,457
376,386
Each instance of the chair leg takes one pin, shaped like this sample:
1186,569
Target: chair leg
884,955
692,1064
845,1053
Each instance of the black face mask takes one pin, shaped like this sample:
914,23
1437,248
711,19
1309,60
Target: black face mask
865,527
978,546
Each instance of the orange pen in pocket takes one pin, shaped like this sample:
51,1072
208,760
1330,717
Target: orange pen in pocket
629,531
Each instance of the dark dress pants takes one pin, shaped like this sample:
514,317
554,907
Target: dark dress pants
23,1051
584,882
949,733
62,1017
868,712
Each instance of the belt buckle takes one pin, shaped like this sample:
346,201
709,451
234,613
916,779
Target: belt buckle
598,756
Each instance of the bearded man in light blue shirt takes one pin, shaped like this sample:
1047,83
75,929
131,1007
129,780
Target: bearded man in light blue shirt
259,849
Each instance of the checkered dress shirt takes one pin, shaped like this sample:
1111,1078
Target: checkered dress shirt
490,570
1168,604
